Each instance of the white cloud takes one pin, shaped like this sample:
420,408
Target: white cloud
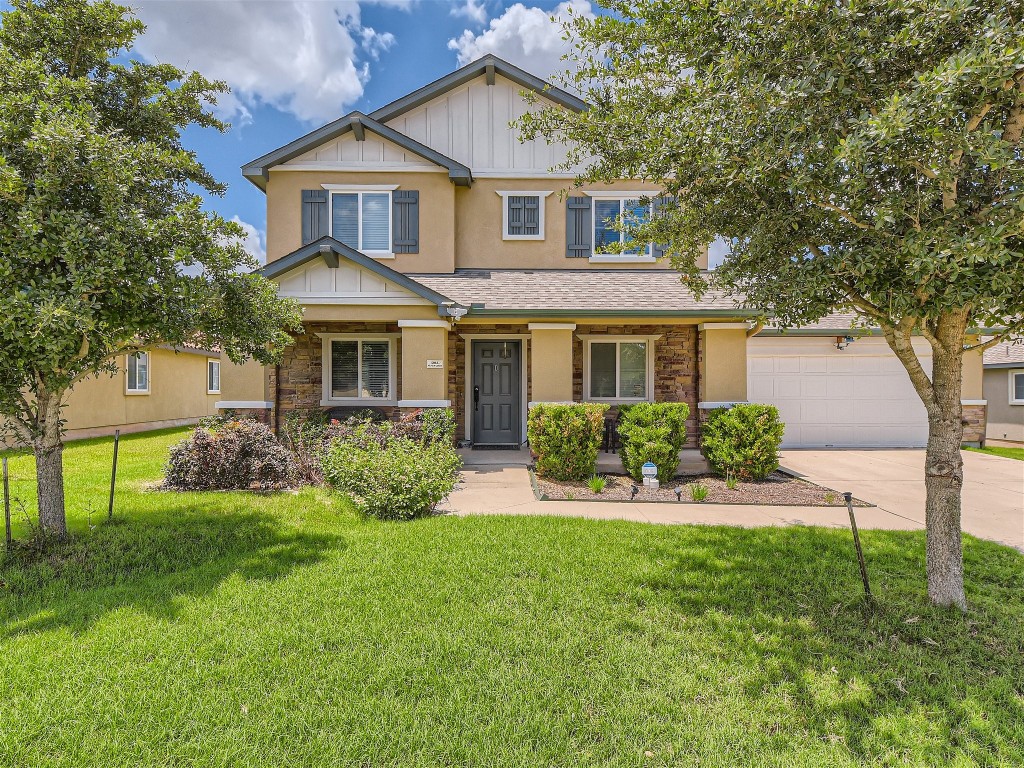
306,58
524,36
474,10
253,241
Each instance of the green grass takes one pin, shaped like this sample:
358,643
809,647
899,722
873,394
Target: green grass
232,629
1008,453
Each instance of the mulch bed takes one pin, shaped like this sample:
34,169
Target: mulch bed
777,489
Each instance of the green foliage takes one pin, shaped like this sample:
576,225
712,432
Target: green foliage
596,483
229,455
743,441
390,476
654,432
731,481
566,438
698,491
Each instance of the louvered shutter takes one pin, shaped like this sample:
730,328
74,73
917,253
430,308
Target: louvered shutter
405,204
516,217
657,249
578,228
314,214
531,215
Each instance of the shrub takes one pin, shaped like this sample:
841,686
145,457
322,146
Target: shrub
566,438
743,441
390,476
654,432
596,483
229,455
698,491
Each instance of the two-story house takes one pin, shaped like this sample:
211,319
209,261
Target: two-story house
441,263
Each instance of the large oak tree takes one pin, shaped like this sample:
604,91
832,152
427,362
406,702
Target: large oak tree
105,247
857,155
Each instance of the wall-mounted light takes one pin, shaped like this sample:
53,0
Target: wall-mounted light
457,313
842,342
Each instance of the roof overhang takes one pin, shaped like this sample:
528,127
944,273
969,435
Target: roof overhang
258,170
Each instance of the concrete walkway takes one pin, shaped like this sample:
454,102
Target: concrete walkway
498,483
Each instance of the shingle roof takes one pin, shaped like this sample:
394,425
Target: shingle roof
620,291
1006,354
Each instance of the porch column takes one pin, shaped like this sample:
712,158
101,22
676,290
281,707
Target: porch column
551,361
723,362
424,355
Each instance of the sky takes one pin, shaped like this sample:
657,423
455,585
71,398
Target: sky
294,65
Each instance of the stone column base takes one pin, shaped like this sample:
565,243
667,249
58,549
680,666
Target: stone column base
975,421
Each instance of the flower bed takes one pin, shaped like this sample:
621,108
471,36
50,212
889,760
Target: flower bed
777,489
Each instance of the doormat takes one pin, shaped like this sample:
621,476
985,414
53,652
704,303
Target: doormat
494,447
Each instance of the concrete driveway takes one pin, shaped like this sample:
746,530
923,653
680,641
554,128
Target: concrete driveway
993,500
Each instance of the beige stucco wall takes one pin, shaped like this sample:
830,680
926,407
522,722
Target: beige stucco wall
723,364
1005,421
551,351
177,394
973,370
437,213
245,382
420,345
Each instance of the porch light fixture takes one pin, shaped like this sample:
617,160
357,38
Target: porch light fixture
842,342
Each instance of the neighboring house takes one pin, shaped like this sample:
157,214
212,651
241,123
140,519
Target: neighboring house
161,387
440,263
1004,390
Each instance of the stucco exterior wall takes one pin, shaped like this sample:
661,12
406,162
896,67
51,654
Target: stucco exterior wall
177,395
1005,421
245,382
723,363
551,350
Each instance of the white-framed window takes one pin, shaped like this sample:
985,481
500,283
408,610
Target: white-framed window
361,217
212,377
137,374
522,215
608,210
358,368
618,369
1017,387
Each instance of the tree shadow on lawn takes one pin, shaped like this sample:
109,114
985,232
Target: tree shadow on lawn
897,678
150,561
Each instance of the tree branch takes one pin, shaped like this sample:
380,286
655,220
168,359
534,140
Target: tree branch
900,342
843,213
1014,128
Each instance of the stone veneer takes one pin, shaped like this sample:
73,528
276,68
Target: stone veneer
675,364
974,421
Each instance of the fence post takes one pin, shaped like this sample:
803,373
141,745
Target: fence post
848,497
113,476
7,507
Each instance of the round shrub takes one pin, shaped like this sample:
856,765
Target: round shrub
743,441
566,438
390,476
227,455
654,432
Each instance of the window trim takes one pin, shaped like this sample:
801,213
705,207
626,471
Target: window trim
589,339
359,190
647,255
541,205
128,390
1014,373
210,361
325,380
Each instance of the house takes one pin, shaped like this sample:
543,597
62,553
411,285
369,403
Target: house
440,263
160,387
1004,391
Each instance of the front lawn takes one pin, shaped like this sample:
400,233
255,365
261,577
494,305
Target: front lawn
233,629
1009,453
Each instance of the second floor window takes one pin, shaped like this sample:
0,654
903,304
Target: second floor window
607,213
362,220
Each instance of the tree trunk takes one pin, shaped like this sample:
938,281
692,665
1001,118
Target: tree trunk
49,451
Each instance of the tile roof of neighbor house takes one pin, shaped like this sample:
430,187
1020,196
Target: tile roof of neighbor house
568,292
1005,355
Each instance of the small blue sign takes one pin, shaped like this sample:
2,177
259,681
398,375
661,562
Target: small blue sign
648,469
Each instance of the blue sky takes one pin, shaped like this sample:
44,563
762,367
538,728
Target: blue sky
296,64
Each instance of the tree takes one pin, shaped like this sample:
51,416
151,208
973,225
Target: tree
105,248
858,155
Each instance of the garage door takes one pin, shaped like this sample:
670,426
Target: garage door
860,397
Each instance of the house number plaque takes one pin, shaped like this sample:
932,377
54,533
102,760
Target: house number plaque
435,364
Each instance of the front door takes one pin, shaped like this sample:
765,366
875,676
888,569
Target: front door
495,395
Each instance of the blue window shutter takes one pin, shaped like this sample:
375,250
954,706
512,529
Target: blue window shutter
405,221
516,224
531,215
314,214
578,228
658,249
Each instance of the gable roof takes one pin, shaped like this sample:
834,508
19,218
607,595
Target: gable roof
329,249
1008,354
257,171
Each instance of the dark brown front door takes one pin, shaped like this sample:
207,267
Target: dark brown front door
495,396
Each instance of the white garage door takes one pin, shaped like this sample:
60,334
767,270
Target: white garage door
860,397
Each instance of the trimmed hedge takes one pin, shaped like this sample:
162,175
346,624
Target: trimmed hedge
743,441
566,438
654,432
